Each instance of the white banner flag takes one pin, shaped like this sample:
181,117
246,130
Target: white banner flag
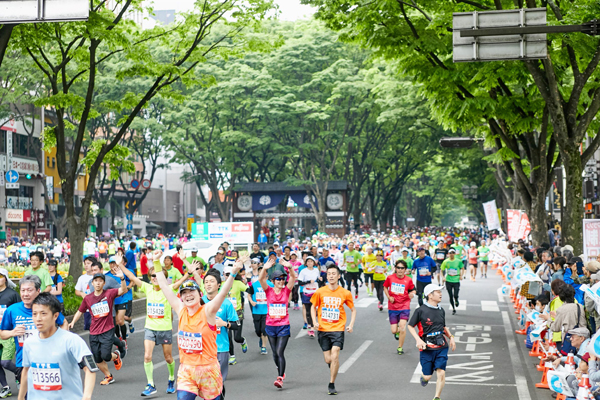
491,215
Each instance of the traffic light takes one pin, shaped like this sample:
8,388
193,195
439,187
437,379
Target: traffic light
28,176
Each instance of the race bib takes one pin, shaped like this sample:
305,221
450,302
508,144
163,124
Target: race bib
2,309
398,288
452,272
379,269
278,311
330,314
369,267
350,259
261,296
30,330
190,343
233,301
310,288
156,310
440,256
100,309
46,377
423,271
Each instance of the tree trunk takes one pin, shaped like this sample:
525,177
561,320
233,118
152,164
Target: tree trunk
572,224
77,234
538,218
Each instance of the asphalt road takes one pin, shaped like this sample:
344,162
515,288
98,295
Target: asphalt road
490,360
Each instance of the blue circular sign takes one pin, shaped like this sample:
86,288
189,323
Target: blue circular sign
135,184
12,176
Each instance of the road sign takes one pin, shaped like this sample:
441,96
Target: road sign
12,176
129,227
21,11
135,183
146,184
505,47
12,185
129,217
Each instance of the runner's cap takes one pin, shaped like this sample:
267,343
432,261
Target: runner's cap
277,274
420,249
405,250
311,258
189,285
194,249
255,260
9,283
431,288
272,254
112,259
99,275
452,251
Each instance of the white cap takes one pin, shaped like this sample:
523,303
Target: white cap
473,244
9,283
194,249
405,250
431,288
227,269
276,244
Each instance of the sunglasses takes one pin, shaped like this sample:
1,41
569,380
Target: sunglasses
153,275
400,267
281,278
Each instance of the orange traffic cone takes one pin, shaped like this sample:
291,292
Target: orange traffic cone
512,295
584,388
561,397
543,384
570,364
536,351
524,330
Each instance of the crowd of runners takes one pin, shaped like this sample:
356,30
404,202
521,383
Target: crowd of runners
206,302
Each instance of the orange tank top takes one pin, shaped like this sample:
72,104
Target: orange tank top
196,339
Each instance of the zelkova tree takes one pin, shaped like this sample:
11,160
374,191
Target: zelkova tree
70,56
528,111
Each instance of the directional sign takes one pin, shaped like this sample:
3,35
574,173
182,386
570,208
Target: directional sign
12,185
129,217
135,184
12,176
146,184
129,227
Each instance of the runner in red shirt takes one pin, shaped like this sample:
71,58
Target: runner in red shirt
178,259
399,289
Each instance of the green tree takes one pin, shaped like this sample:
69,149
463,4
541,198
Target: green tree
527,109
70,56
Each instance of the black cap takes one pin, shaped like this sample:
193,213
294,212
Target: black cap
52,262
574,260
277,274
99,275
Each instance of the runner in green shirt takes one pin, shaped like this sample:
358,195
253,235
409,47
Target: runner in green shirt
484,253
195,257
159,325
36,258
352,261
408,261
453,271
173,273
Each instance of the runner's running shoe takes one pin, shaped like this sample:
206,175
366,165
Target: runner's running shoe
108,380
149,391
400,351
232,360
278,382
331,389
244,346
171,387
117,361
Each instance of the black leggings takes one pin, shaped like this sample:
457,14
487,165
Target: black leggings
278,345
9,365
353,277
295,295
453,289
235,335
308,307
379,289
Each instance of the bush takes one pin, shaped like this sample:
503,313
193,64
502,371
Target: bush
70,299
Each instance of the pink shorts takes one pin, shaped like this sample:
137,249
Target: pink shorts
203,380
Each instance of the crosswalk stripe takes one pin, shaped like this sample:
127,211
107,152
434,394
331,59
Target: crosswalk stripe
366,302
489,306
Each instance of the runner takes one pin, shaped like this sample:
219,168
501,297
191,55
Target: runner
309,279
159,326
399,290
425,266
36,259
352,261
8,297
121,303
453,271
55,374
17,322
238,287
367,260
226,318
380,269
484,252
433,344
329,303
258,302
472,258
199,372
100,303
440,255
57,284
278,319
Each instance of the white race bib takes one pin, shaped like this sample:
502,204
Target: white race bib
46,377
233,301
100,309
310,288
397,288
261,296
423,271
190,343
30,330
278,311
379,269
350,259
155,310
452,272
2,309
330,314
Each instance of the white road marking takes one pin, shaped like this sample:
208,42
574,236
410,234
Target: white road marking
520,380
462,305
160,364
364,303
501,298
303,332
346,366
489,306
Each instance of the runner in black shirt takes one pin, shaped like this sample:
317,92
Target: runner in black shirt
433,342
440,255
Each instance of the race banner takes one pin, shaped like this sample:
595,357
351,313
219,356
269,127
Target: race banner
518,225
491,215
591,238
557,382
